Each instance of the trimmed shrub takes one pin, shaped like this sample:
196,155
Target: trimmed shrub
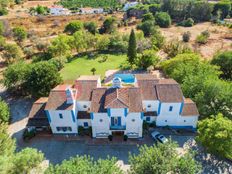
187,23
163,19
186,36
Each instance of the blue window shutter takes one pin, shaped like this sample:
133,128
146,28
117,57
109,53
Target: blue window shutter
48,116
125,112
86,124
170,108
119,121
91,115
148,118
112,121
142,115
108,111
73,116
159,109
181,107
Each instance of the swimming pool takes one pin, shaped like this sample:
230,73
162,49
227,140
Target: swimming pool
126,78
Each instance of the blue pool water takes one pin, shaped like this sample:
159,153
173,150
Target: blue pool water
126,78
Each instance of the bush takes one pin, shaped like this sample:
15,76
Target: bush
148,17
4,112
187,23
146,59
202,39
19,33
73,26
147,27
58,62
27,135
224,7
163,19
110,137
125,137
175,47
91,27
186,36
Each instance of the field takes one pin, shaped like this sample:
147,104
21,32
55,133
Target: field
83,65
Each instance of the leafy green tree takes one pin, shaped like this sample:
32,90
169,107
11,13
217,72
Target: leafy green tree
42,77
215,134
154,8
79,41
91,27
118,43
60,46
131,53
147,58
7,144
224,60
12,52
162,158
147,27
73,26
163,19
103,42
157,39
14,76
26,160
148,17
224,7
87,165
4,112
109,25
200,11
19,33
93,70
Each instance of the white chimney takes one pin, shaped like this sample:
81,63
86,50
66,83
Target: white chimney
69,95
117,82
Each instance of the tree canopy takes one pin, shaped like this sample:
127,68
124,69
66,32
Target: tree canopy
162,158
131,53
87,165
4,112
215,134
224,61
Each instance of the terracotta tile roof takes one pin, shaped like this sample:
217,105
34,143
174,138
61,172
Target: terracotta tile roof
135,100
148,89
88,78
167,81
190,108
83,115
37,116
57,100
145,77
98,100
117,98
169,93
84,89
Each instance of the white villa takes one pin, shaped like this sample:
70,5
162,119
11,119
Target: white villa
129,5
118,107
58,10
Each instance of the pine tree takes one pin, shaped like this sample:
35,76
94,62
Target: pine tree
131,54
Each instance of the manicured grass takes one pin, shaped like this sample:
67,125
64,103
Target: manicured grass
83,65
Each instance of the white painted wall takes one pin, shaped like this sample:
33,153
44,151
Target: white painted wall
80,122
80,105
66,121
118,113
59,11
98,126
153,103
134,123
165,109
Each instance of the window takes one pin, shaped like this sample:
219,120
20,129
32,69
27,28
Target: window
86,124
58,129
69,129
85,106
184,120
148,119
170,108
166,120
61,116
133,120
149,106
64,129
101,120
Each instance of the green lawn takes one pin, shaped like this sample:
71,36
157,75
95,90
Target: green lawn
83,65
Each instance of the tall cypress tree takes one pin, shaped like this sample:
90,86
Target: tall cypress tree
131,53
